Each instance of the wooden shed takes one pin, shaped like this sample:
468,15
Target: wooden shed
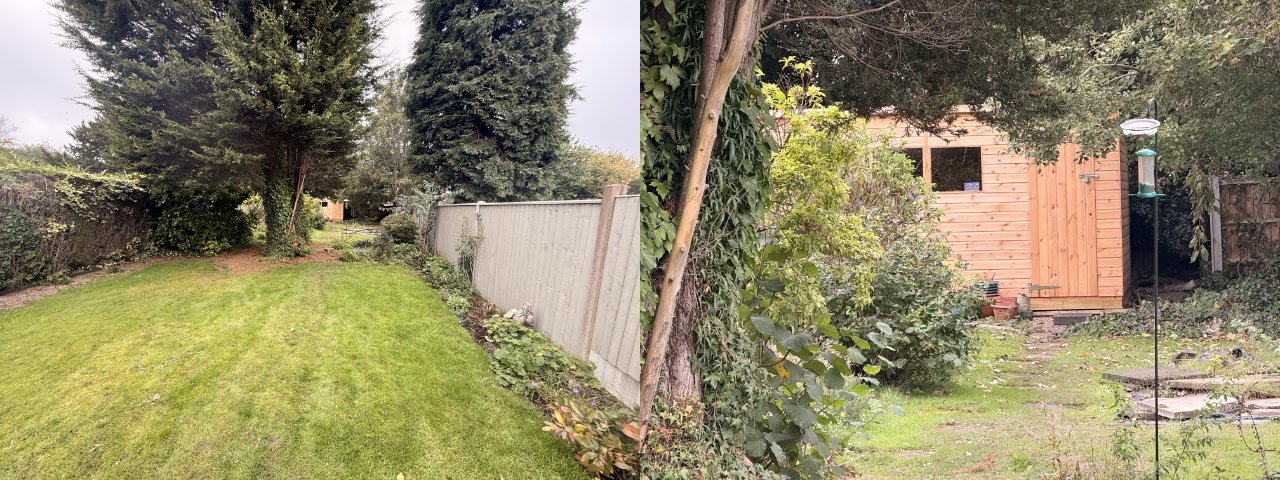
1059,233
332,210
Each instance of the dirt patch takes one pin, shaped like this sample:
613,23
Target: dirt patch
250,260
956,426
31,294
986,465
925,452
1057,407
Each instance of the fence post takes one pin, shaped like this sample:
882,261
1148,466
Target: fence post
1215,226
607,200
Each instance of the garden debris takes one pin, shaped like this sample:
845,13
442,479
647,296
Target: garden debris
1181,408
1146,376
1248,383
523,315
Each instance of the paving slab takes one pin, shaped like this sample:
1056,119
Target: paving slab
1146,376
1264,412
1267,403
1071,318
1247,382
1181,408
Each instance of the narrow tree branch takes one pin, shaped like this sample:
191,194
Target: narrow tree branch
704,137
844,16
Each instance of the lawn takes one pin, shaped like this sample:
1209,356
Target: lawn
317,370
1010,416
350,231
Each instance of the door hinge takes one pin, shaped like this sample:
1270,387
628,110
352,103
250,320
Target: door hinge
1031,287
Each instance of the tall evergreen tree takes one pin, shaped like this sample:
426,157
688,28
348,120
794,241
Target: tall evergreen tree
148,83
488,95
212,99
290,90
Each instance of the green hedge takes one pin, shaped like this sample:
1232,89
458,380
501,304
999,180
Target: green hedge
57,221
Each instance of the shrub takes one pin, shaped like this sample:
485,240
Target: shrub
400,228
440,275
528,363
18,242
457,302
921,312
203,223
917,318
310,215
607,440
348,256
1222,304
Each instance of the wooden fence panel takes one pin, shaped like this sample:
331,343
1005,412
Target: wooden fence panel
540,253
1250,220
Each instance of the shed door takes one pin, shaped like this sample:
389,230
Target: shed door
1064,254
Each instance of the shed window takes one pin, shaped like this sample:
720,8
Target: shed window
324,203
917,157
954,169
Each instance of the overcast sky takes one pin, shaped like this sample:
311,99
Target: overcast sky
39,86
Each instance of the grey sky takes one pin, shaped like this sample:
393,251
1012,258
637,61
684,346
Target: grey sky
39,85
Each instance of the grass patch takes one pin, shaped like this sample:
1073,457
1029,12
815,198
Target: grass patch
1008,416
335,233
319,370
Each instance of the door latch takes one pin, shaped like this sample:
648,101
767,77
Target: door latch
1087,177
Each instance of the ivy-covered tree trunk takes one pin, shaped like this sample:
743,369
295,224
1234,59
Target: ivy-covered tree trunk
278,192
708,374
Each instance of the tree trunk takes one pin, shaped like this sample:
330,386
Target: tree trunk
706,123
684,382
277,195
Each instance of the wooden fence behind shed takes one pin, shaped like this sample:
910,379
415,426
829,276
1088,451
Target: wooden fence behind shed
579,275
1250,221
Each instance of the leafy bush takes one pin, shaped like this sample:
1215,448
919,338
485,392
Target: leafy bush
203,223
400,228
57,221
606,439
18,242
527,362
348,256
917,318
440,275
311,214
457,302
1223,304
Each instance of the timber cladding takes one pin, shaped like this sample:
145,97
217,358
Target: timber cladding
1250,220
1058,233
549,255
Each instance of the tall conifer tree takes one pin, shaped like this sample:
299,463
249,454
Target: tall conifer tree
212,99
292,79
488,95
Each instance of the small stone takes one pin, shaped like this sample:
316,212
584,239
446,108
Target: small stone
1183,355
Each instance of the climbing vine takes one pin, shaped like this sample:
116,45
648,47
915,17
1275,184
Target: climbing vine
706,439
